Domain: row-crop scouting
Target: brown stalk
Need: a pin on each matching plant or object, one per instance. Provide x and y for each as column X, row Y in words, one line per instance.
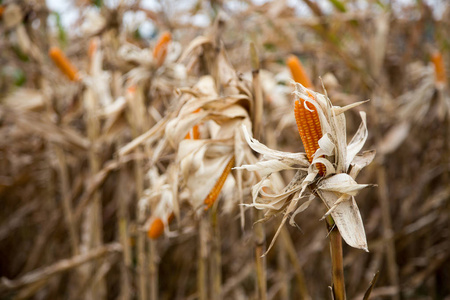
column 336, row 260
column 216, row 257
column 383, row 196
column 258, row 229
column 93, row 214
column 141, row 253
column 290, row 251
column 64, row 180
column 66, row 200
column 153, row 269
column 137, row 119
column 122, row 218
column 202, row 258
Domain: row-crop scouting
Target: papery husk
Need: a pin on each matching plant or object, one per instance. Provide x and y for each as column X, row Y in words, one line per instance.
column 348, row 219
column 337, row 192
column 161, row 197
column 201, row 163
column 202, row 104
column 272, row 160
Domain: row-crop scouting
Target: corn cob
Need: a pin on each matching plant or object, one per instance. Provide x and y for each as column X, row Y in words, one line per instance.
column 308, row 122
column 298, row 72
column 439, row 67
column 160, row 50
column 215, row 191
column 63, row 63
column 157, row 227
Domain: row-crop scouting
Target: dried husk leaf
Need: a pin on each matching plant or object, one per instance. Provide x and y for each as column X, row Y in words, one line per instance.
column 200, row 161
column 348, row 219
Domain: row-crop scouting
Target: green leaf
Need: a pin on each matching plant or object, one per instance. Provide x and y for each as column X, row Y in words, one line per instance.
column 339, row 5
column 98, row 3
column 270, row 47
column 19, row 77
column 62, row 36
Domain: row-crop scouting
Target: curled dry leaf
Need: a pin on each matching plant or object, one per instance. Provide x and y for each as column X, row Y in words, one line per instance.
column 206, row 133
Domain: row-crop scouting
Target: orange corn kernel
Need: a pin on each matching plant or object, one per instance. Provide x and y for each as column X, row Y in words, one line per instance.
column 160, row 50
column 298, row 72
column 63, row 63
column 439, row 67
column 214, row 193
column 308, row 124
column 131, row 89
column 93, row 45
column 193, row 134
column 157, row 227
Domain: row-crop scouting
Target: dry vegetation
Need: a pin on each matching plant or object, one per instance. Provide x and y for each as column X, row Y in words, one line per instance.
column 118, row 151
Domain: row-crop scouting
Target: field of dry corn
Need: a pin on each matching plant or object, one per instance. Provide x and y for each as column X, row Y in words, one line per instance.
column 210, row 149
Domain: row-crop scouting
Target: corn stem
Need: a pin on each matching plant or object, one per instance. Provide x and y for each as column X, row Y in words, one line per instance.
column 216, row 257
column 337, row 260
column 153, row 270
column 123, row 220
column 258, row 230
column 202, row 258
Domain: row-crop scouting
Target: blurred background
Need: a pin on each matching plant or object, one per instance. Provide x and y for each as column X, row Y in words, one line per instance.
column 77, row 168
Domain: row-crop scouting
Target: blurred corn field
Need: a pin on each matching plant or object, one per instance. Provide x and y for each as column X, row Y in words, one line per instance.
column 130, row 166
